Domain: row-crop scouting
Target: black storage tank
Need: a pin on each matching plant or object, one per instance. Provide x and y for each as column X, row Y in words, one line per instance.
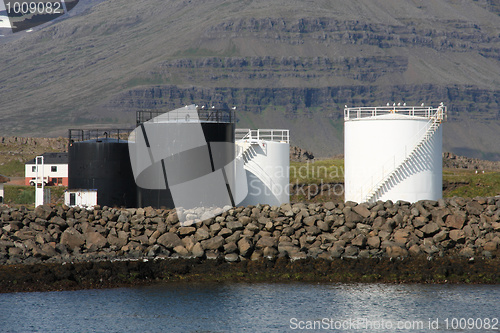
column 218, row 127
column 103, row 164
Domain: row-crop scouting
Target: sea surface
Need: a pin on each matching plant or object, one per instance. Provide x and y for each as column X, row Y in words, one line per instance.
column 259, row 307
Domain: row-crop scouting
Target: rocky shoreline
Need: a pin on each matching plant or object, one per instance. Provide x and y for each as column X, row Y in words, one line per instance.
column 341, row 235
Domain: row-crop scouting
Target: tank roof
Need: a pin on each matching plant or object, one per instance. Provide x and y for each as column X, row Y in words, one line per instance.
column 98, row 135
column 188, row 114
column 103, row 140
column 395, row 112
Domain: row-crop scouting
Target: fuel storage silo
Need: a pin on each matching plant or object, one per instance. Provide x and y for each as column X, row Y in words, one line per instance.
column 393, row 153
column 183, row 158
column 265, row 159
column 101, row 163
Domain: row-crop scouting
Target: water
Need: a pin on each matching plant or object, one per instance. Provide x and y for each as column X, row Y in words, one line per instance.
column 255, row 308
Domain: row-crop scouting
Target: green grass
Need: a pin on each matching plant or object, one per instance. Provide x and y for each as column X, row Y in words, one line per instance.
column 469, row 184
column 326, row 171
column 16, row 194
column 12, row 169
column 462, row 183
column 25, row 195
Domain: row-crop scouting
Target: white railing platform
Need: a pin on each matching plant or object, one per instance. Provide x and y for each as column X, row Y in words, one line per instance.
column 412, row 111
column 277, row 135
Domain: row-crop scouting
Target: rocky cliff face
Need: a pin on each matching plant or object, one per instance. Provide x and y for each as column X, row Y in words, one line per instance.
column 451, row 160
column 292, row 65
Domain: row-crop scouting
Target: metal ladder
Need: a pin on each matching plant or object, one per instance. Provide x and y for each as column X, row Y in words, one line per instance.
column 435, row 122
column 247, row 155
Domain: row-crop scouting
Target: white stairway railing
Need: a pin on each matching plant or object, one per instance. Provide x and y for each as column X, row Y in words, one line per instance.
column 405, row 157
column 248, row 152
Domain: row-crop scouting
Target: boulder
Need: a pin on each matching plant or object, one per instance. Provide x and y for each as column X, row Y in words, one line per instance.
column 44, row 212
column 474, row 208
column 351, row 251
column 430, row 229
column 352, row 217
column 457, row 235
column 362, row 210
column 96, row 239
column 396, row 251
column 401, row 236
column 201, row 234
column 115, row 241
column 490, row 246
column 414, row 250
column 197, row 250
column 181, row 250
column 270, row 252
column 455, row 221
column 234, row 225
column 359, row 241
column 231, row 257
column 245, row 246
column 213, row 243
column 169, row 240
column 45, row 251
column 440, row 236
column 59, row 221
column 467, row 252
column 373, row 242
column 225, row 232
column 230, row 247
column 267, row 242
column 72, row 238
column 185, row 231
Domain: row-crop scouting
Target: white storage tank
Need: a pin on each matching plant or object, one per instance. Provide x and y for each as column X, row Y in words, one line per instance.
column 393, row 153
column 265, row 156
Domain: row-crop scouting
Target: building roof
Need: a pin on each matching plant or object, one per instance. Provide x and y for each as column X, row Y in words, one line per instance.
column 4, row 179
column 52, row 158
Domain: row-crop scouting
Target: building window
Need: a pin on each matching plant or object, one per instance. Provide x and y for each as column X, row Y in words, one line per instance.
column 33, row 169
column 53, row 168
column 59, row 181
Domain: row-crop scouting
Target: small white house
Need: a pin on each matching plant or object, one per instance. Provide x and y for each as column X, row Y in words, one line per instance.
column 3, row 180
column 81, row 198
column 55, row 169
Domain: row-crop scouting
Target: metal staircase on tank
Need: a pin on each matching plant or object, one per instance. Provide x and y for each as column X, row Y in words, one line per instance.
column 433, row 125
column 248, row 154
column 257, row 138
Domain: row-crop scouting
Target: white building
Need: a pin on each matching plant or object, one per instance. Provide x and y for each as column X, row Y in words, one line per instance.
column 55, row 170
column 81, row 198
column 3, row 180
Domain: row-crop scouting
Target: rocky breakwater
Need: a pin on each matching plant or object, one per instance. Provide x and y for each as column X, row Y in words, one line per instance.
column 454, row 227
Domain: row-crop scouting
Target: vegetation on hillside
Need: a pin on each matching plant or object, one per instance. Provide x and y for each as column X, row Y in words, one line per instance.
column 284, row 64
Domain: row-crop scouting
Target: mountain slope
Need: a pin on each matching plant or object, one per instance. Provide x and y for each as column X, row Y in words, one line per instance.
column 292, row 64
